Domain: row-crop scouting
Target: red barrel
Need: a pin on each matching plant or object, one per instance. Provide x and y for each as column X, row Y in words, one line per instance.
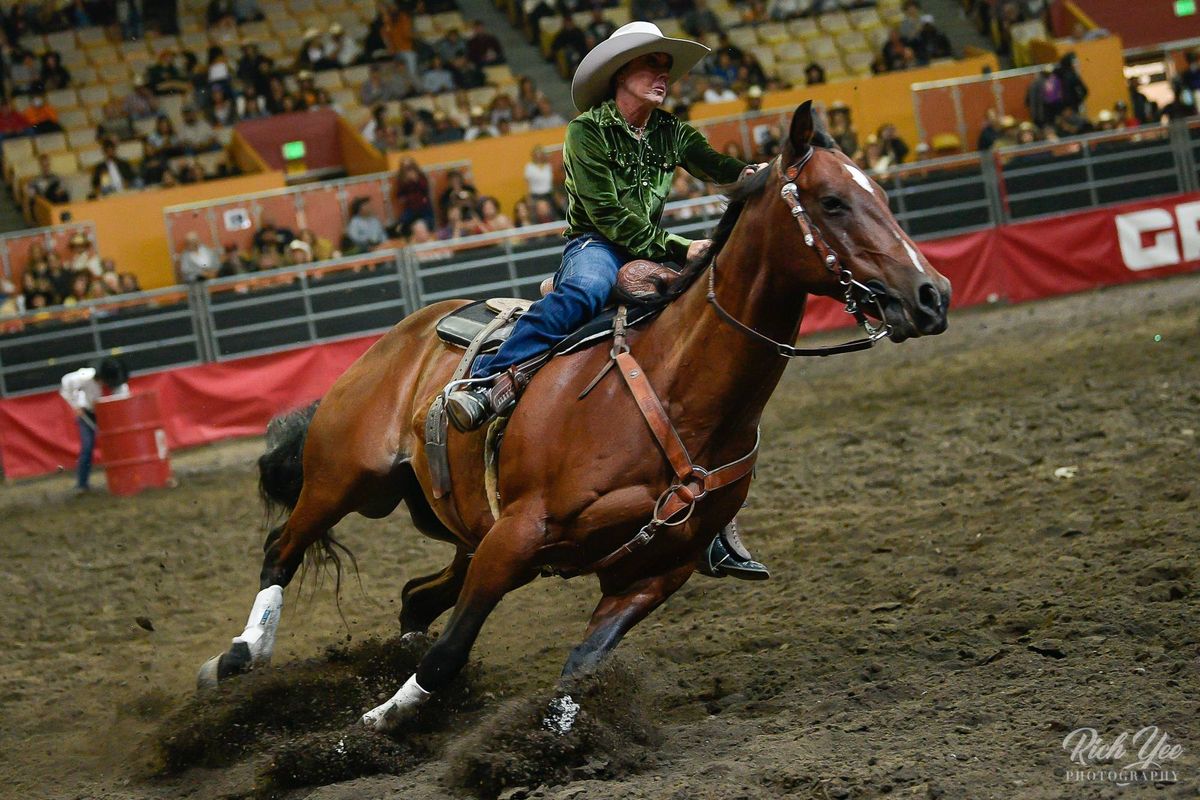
column 133, row 443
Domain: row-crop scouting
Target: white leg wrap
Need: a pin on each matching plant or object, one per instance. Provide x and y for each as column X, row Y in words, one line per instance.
column 402, row 706
column 259, row 634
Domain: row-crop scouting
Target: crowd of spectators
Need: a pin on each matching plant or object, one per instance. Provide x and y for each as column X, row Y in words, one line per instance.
column 51, row 278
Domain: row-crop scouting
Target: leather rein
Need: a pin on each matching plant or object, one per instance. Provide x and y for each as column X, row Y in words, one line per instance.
column 816, row 240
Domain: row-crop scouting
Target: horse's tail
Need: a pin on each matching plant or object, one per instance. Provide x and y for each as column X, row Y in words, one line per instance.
column 281, row 468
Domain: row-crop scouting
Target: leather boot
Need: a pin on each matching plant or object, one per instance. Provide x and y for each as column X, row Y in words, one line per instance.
column 469, row 409
column 727, row 556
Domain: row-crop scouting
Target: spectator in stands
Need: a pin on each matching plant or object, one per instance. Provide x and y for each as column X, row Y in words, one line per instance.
column 450, row 46
column 754, row 98
column 437, row 78
column 254, row 68
column 250, row 104
column 1070, row 122
column 41, row 116
column 895, row 55
column 163, row 142
column 421, row 233
column 528, row 96
column 340, row 48
column 298, row 252
column 129, row 283
column 546, row 116
column 480, row 127
column 701, row 20
column 842, row 129
column 569, row 45
column 444, row 129
column 115, row 124
column 781, row 10
column 83, row 256
column 24, row 74
column 278, row 100
column 12, row 302
column 545, row 211
column 876, row 159
column 113, row 174
column 322, row 249
column 893, row 145
column 1027, row 132
column 220, row 12
column 931, row 43
column 196, row 134
column 723, row 68
column 311, row 55
column 413, row 197
column 12, row 122
column 379, row 131
column 600, row 27
column 393, row 26
column 364, row 232
column 1036, row 97
column 1183, row 104
column 271, row 237
column 539, row 175
column 457, row 224
column 467, row 74
column 220, row 73
column 54, row 75
column 457, row 192
column 247, row 10
column 714, row 92
column 80, row 290
column 197, row 262
column 221, row 110
column 45, row 184
column 232, row 263
column 1190, row 76
column 1074, row 91
column 141, row 103
column 164, row 76
column 81, row 389
column 268, row 258
column 814, row 74
column 130, row 18
column 990, row 132
column 490, row 217
column 483, row 48
column 910, row 26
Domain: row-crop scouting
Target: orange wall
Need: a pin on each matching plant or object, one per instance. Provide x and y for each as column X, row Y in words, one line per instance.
column 130, row 227
column 873, row 101
column 498, row 165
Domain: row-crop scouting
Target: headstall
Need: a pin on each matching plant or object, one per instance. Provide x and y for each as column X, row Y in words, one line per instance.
column 850, row 286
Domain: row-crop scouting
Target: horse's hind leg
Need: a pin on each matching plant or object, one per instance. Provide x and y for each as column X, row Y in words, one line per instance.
column 317, row 511
column 426, row 598
column 504, row 561
column 616, row 614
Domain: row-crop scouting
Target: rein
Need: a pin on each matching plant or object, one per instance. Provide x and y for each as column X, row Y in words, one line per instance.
column 816, row 240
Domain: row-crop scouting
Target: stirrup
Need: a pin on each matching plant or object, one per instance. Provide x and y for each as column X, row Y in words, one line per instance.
column 724, row 560
column 468, row 409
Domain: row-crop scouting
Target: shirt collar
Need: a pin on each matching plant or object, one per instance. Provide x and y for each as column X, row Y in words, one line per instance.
column 607, row 114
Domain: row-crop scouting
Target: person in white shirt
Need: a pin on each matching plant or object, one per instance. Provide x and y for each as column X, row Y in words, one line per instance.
column 539, row 175
column 197, row 261
column 83, row 258
column 81, row 389
column 341, row 48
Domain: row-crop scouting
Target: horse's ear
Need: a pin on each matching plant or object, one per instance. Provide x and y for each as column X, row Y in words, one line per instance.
column 800, row 136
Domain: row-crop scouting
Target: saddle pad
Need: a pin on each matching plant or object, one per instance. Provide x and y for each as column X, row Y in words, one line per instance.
column 460, row 327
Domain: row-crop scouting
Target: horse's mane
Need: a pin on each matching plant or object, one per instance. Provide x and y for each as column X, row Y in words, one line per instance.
column 737, row 196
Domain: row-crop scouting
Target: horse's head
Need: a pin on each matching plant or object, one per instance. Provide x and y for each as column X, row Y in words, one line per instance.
column 852, row 228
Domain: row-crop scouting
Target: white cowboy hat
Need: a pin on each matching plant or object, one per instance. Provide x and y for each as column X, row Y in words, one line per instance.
column 590, row 86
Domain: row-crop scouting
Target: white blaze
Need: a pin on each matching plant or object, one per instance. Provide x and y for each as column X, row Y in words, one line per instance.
column 912, row 254
column 859, row 178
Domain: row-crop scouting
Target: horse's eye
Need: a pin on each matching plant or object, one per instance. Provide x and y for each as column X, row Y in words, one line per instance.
column 833, row 205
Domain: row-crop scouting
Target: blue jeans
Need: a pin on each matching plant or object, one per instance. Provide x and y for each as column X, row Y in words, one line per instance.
column 87, row 443
column 581, row 288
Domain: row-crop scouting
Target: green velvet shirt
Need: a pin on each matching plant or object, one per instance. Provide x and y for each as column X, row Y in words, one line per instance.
column 618, row 184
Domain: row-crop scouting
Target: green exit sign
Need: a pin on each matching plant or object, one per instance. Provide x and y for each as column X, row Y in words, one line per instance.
column 1185, row 8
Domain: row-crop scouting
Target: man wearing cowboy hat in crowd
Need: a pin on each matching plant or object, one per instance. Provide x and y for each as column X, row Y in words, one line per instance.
column 619, row 157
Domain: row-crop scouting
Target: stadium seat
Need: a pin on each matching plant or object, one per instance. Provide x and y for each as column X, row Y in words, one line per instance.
column 823, row 48
column 84, row 75
column 791, row 51
column 499, row 75
column 81, row 137
column 89, row 157
column 865, row 19
column 133, row 151
column 91, row 37
column 859, row 63
column 62, row 41
column 803, row 28
column 765, row 56
column 63, row 163
column 103, row 57
column 96, row 95
column 773, row 33
column 853, row 42
column 355, row 76
column 744, row 37
column 78, row 185
column 50, row 142
column 834, row 22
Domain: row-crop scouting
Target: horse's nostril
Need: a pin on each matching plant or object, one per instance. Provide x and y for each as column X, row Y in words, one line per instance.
column 928, row 298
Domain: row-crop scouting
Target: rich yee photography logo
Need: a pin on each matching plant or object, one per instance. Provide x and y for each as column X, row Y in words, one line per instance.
column 1142, row 757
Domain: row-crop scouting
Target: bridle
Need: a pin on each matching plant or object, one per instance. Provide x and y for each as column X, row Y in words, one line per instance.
column 854, row 292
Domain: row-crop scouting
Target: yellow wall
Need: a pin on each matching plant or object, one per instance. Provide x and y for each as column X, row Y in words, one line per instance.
column 498, row 165
column 130, row 227
column 358, row 155
column 873, row 101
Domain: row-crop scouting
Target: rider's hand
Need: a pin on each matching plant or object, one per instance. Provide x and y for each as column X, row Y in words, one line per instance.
column 752, row 168
column 698, row 248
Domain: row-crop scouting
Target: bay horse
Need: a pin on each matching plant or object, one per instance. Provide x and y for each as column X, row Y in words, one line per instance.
column 578, row 477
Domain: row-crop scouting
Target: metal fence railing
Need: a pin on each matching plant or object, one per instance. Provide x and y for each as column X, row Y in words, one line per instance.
column 265, row 312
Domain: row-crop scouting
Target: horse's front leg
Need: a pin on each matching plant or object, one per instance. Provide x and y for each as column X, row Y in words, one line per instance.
column 623, row 606
column 504, row 561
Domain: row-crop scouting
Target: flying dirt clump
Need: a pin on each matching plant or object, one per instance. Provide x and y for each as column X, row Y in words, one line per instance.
column 605, row 733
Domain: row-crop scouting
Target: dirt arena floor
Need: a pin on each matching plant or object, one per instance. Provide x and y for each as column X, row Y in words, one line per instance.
column 980, row 543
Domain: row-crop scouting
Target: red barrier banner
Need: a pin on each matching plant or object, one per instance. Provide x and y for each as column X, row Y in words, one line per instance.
column 200, row 404
column 1024, row 261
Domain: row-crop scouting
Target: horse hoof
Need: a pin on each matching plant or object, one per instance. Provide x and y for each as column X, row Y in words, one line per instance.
column 383, row 719
column 218, row 668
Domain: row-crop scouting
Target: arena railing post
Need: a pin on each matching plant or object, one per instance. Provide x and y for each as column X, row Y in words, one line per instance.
column 1185, row 159
column 991, row 189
